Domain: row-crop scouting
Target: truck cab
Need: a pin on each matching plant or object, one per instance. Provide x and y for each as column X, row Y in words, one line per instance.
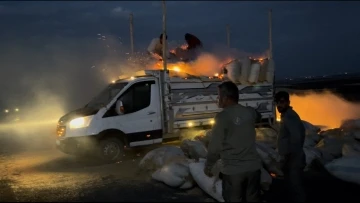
column 148, row 108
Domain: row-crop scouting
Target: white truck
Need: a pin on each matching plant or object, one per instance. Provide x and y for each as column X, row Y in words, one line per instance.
column 151, row 107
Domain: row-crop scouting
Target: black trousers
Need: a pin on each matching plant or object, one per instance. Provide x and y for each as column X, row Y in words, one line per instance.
column 294, row 177
column 242, row 187
column 294, row 184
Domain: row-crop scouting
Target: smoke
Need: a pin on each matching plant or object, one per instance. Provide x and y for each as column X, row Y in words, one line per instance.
column 325, row 108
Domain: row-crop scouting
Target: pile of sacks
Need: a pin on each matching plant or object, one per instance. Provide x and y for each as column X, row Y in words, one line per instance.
column 182, row 167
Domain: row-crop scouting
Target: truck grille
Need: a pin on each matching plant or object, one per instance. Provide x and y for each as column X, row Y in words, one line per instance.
column 60, row 131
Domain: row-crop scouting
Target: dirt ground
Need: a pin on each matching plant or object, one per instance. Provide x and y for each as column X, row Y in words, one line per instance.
column 31, row 169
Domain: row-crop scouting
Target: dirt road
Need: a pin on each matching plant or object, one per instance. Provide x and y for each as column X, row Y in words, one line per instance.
column 48, row 175
column 31, row 169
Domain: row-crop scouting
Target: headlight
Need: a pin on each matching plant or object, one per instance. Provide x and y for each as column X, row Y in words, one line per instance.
column 81, row 122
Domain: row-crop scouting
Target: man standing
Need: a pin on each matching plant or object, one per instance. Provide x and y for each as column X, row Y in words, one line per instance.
column 155, row 48
column 290, row 147
column 233, row 140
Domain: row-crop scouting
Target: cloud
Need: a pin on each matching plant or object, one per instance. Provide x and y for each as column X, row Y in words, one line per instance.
column 120, row 12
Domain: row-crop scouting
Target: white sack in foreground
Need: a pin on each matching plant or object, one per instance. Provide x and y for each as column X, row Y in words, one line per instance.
column 194, row 149
column 175, row 174
column 213, row 185
column 157, row 158
column 345, row 168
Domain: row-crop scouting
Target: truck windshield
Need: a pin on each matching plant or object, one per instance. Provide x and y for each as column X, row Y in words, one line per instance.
column 106, row 95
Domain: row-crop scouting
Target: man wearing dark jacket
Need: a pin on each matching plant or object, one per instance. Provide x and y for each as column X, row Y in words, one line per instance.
column 290, row 147
column 233, row 140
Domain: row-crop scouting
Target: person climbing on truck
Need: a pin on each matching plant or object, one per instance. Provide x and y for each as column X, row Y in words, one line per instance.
column 233, row 141
column 192, row 49
column 155, row 49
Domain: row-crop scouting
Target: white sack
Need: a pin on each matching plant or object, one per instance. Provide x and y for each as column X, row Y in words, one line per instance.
column 157, row 158
column 311, row 140
column 175, row 174
column 254, row 72
column 310, row 128
column 345, row 168
column 194, row 149
column 211, row 185
column 356, row 135
column 270, row 159
column 245, row 70
column 351, row 124
column 266, row 135
column 330, row 148
column 311, row 154
column 351, row 149
column 233, row 70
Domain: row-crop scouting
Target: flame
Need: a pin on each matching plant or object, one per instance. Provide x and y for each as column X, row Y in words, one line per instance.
column 325, row 109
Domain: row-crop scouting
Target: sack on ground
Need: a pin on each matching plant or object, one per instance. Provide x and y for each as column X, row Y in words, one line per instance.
column 194, row 149
column 266, row 135
column 175, row 174
column 330, row 148
column 271, row 160
column 353, row 124
column 211, row 185
column 157, row 158
column 311, row 154
column 356, row 135
column 351, row 149
column 312, row 139
column 310, row 128
column 345, row 168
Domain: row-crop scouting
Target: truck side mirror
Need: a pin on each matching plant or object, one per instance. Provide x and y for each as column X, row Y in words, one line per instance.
column 119, row 107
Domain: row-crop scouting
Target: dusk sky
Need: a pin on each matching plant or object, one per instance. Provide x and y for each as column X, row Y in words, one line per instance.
column 55, row 46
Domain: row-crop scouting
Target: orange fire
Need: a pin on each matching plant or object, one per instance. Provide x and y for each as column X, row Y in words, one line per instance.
column 324, row 109
column 205, row 65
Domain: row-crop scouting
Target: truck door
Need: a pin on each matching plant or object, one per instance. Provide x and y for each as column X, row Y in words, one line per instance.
column 141, row 118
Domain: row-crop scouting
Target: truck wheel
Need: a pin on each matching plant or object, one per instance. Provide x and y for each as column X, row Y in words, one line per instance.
column 111, row 149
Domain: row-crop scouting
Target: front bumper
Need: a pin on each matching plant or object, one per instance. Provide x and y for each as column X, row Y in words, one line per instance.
column 77, row 145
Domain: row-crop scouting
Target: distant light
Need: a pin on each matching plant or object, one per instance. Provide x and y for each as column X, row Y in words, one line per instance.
column 132, row 77
column 16, row 109
column 6, row 111
column 212, row 122
column 216, row 74
column 113, row 81
column 190, row 124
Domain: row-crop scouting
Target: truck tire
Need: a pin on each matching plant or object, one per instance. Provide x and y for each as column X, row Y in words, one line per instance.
column 111, row 149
